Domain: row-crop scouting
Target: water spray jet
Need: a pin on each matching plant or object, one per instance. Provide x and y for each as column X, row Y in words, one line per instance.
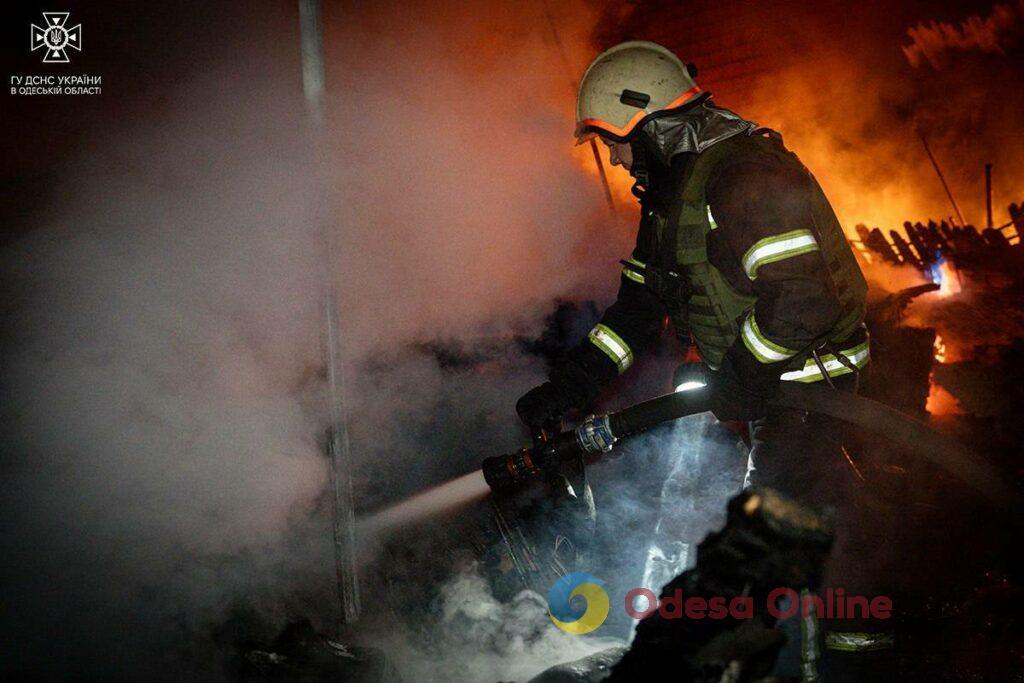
column 446, row 497
column 597, row 435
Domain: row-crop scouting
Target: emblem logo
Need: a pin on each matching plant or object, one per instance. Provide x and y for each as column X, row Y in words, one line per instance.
column 572, row 618
column 55, row 38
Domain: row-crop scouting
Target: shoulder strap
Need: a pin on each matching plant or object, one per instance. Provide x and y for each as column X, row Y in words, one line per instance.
column 681, row 170
column 689, row 210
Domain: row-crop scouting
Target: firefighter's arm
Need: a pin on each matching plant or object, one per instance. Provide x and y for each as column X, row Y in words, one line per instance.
column 627, row 327
column 764, row 216
column 625, row 330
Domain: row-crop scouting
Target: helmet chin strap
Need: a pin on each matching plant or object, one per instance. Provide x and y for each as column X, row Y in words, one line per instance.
column 639, row 168
column 649, row 174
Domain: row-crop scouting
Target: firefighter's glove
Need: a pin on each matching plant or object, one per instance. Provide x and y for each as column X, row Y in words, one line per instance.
column 741, row 387
column 543, row 407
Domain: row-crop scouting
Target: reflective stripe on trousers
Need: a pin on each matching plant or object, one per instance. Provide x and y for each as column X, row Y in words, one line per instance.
column 810, row 654
column 858, row 642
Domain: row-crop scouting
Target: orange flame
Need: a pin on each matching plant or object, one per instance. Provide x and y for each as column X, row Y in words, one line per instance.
column 940, row 401
column 949, row 280
column 940, row 350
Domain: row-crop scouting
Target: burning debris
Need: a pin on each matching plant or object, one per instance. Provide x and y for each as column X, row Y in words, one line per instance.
column 991, row 33
column 941, row 251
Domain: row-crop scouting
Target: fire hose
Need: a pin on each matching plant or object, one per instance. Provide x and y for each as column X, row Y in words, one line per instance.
column 598, row 434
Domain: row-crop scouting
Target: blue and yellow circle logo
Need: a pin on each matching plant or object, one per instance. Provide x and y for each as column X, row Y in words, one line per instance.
column 575, row 620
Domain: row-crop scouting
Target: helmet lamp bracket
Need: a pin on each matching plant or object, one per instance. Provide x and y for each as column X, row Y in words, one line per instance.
column 632, row 98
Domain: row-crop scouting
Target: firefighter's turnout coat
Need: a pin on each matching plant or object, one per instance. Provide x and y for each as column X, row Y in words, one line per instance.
column 739, row 248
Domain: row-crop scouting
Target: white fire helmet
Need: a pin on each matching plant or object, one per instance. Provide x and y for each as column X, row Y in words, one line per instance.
column 628, row 83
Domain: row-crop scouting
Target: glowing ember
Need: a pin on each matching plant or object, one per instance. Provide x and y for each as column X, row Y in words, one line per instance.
column 940, row 401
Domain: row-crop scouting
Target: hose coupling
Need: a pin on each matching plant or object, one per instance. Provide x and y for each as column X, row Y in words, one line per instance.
column 594, row 435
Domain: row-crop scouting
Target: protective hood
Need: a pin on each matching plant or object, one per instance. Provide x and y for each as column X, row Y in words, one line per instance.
column 692, row 129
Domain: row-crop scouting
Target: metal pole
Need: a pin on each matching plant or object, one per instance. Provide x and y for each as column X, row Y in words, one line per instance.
column 312, row 59
column 338, row 450
column 942, row 178
column 988, row 193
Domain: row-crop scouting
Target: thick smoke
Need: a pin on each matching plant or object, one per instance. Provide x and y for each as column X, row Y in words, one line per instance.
column 857, row 118
column 477, row 638
column 842, row 93
column 162, row 456
column 160, row 377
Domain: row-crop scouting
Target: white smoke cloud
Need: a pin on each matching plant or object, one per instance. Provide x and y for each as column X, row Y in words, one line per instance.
column 159, row 381
column 154, row 390
column 479, row 639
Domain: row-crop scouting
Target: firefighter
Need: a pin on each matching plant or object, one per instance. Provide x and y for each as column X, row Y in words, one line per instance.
column 739, row 248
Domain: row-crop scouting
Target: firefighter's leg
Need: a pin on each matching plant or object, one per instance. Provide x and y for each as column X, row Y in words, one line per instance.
column 801, row 455
column 783, row 457
column 858, row 647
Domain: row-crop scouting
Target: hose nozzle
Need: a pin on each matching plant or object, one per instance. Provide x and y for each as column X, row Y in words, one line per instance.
column 503, row 473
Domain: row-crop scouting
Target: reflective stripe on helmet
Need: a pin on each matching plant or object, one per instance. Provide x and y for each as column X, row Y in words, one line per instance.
column 593, row 125
column 858, row 356
column 858, row 642
column 778, row 248
column 605, row 339
column 763, row 348
column 634, row 275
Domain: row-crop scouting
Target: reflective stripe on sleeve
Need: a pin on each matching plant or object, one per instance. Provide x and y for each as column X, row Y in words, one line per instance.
column 778, row 248
column 605, row 339
column 634, row 275
column 858, row 642
column 711, row 220
column 858, row 356
column 763, row 348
